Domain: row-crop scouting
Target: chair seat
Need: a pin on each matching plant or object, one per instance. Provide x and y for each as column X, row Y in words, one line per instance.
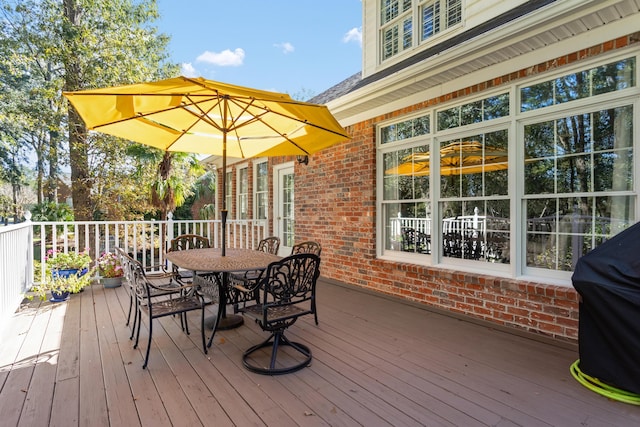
column 173, row 306
column 277, row 313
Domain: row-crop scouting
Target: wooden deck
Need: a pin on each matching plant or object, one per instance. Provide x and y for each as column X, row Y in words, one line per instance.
column 376, row 362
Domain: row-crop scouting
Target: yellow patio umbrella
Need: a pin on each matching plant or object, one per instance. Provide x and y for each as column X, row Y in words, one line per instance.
column 457, row 158
column 196, row 115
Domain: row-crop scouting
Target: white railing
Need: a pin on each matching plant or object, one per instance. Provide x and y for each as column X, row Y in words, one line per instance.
column 16, row 266
column 24, row 247
column 145, row 240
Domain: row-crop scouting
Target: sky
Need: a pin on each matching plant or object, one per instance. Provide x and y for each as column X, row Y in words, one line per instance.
column 300, row 47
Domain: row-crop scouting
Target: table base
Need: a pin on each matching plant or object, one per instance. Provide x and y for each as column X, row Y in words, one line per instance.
column 227, row 322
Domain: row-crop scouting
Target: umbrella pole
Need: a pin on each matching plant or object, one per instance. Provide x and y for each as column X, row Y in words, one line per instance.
column 223, row 212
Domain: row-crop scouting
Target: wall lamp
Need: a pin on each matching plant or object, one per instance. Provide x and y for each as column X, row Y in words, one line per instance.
column 303, row 160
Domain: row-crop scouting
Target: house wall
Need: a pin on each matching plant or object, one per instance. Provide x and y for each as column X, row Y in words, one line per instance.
column 342, row 217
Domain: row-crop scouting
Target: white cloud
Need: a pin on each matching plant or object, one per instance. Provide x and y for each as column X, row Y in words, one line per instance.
column 353, row 35
column 226, row 58
column 286, row 47
column 188, row 70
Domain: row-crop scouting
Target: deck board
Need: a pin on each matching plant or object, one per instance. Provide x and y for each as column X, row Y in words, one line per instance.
column 377, row 361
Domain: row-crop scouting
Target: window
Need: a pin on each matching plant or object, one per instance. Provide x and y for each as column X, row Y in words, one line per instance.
column 242, row 211
column 487, row 109
column 405, row 130
column 606, row 78
column 261, row 190
column 578, row 179
column 406, row 206
column 474, row 197
column 397, row 27
column 228, row 198
column 397, row 18
column 436, row 16
column 525, row 190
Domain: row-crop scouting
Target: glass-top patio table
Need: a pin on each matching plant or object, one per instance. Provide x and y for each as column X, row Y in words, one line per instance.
column 210, row 260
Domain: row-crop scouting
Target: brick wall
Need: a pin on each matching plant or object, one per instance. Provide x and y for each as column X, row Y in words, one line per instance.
column 335, row 205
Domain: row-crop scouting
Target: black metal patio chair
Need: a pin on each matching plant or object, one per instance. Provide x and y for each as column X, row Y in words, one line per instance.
column 243, row 285
column 185, row 242
column 167, row 282
column 155, row 308
column 288, row 292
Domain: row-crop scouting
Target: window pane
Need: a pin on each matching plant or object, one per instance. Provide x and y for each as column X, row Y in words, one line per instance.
column 496, row 107
column 539, row 177
column 476, row 166
column 405, row 130
column 390, row 42
column 471, row 113
column 536, row 96
column 574, row 134
column 539, row 140
column 572, row 87
column 613, row 128
column 422, row 125
column 408, row 227
column 476, row 230
column 428, row 29
column 454, row 12
column 574, row 174
column 449, row 118
column 612, row 77
column 407, row 33
column 607, row 78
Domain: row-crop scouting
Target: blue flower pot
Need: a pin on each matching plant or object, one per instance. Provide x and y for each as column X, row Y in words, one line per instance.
column 68, row 272
column 59, row 296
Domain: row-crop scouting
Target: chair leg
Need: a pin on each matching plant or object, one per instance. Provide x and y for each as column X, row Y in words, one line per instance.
column 135, row 320
column 130, row 309
column 138, row 321
column 315, row 310
column 146, row 358
column 204, row 338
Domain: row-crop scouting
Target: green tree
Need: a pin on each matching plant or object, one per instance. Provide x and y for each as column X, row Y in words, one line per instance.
column 174, row 179
column 52, row 45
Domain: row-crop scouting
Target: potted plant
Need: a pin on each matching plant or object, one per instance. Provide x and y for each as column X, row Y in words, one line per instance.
column 61, row 287
column 68, row 273
column 110, row 270
column 63, row 264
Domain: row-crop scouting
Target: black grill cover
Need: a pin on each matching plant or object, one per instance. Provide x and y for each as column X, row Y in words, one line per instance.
column 608, row 280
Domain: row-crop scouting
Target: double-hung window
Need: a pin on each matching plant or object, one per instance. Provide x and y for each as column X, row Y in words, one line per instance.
column 396, row 31
column 261, row 189
column 242, row 211
column 405, row 24
column 437, row 16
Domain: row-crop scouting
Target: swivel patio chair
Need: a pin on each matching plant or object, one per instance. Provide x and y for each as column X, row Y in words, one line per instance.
column 308, row 247
column 155, row 308
column 288, row 292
